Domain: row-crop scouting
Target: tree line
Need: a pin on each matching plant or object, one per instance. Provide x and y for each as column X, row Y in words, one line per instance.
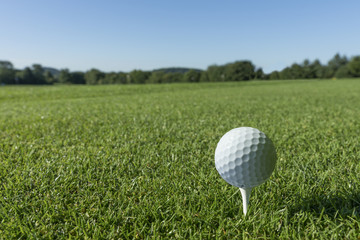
column 337, row 67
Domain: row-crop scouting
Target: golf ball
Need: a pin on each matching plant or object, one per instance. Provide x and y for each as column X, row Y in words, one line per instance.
column 245, row 157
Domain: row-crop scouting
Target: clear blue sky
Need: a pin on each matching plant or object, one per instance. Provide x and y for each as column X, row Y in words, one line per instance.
column 123, row 35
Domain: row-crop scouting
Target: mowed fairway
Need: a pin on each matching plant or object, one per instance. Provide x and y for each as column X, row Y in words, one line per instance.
column 137, row 162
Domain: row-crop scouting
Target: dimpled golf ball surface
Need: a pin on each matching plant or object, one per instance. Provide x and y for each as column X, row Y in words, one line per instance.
column 245, row 157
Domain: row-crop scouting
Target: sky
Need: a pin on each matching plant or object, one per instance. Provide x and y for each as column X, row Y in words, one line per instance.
column 123, row 35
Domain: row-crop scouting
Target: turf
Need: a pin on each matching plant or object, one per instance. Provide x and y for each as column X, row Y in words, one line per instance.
column 137, row 162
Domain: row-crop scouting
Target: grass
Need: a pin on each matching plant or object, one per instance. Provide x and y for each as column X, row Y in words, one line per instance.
column 137, row 162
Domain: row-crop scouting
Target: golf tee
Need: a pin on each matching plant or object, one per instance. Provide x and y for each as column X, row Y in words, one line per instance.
column 245, row 193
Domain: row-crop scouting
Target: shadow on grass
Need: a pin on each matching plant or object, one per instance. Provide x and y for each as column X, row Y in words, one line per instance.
column 331, row 205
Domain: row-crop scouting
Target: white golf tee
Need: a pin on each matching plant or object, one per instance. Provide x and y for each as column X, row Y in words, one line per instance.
column 245, row 193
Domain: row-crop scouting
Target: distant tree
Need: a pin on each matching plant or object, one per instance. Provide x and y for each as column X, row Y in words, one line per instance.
column 165, row 77
column 94, row 76
column 6, row 64
column 266, row 76
column 138, row 76
column 307, row 71
column 65, row 76
column 343, row 72
column 77, row 77
column 285, row 73
column 18, row 77
column 354, row 66
column 339, row 67
column 296, row 71
column 114, row 78
column 216, row 73
column 274, row 75
column 109, row 78
column 239, row 71
column 259, row 74
column 25, row 76
column 334, row 64
column 7, row 72
column 156, row 77
column 204, row 77
column 173, row 77
column 38, row 74
column 317, row 69
column 120, row 78
column 192, row 76
column 49, row 78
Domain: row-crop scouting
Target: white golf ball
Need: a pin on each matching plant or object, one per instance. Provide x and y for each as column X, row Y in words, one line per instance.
column 245, row 157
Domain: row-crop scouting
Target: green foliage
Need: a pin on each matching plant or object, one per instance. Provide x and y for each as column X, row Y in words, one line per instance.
column 137, row 161
column 259, row 74
column 65, row 76
column 286, row 73
column 173, row 77
column 204, row 77
column 25, row 76
column 156, row 77
column 38, row 74
column 176, row 70
column 317, row 70
column 192, row 76
column 78, row 78
column 165, row 77
column 309, row 69
column 54, row 72
column 296, row 71
column 6, row 64
column 216, row 73
column 114, row 78
column 7, row 72
column 34, row 75
column 239, row 71
column 342, row 72
column 338, row 67
column 49, row 77
column 138, row 76
column 94, row 76
column 354, row 66
column 274, row 75
column 334, row 64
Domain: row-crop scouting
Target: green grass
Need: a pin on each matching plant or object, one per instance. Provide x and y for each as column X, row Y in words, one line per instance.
column 135, row 162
